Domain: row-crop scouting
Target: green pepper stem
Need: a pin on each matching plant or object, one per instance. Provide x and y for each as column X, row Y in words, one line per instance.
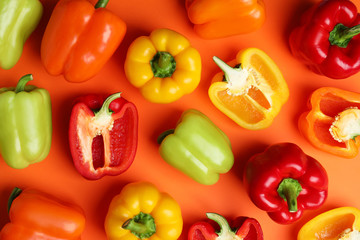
column 163, row 135
column 14, row 194
column 289, row 189
column 142, row 225
column 237, row 74
column 105, row 107
column 20, row 87
column 341, row 35
column 163, row 64
column 101, row 4
column 225, row 229
column 164, row 60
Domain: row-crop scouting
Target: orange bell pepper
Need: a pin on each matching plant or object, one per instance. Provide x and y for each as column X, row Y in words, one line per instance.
column 253, row 92
column 79, row 39
column 217, row 19
column 36, row 215
column 332, row 123
column 337, row 224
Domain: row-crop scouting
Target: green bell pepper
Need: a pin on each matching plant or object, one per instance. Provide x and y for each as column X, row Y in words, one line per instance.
column 18, row 19
column 197, row 147
column 25, row 124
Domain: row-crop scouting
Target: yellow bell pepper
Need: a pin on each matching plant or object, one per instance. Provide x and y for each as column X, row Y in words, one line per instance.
column 337, row 224
column 140, row 211
column 251, row 89
column 163, row 66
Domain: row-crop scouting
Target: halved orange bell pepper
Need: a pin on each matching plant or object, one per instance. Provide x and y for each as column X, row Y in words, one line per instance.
column 252, row 91
column 37, row 215
column 337, row 224
column 332, row 123
column 217, row 19
column 80, row 38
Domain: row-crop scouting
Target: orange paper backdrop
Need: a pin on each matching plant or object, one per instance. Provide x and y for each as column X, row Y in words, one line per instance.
column 57, row 175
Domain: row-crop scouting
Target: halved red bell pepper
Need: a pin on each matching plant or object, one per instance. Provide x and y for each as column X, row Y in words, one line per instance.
column 241, row 228
column 284, row 181
column 80, row 38
column 328, row 39
column 103, row 135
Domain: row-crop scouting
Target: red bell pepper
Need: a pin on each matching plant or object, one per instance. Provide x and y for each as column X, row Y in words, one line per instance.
column 328, row 39
column 80, row 38
column 242, row 228
column 284, row 181
column 103, row 135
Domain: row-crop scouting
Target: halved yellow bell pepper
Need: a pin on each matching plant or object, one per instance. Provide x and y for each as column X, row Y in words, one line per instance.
column 163, row 65
column 141, row 211
column 251, row 89
column 337, row 224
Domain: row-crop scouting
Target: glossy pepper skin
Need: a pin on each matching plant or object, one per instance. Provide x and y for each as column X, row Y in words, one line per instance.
column 18, row 19
column 331, row 122
column 197, row 147
column 332, row 224
column 284, row 182
column 164, row 66
column 250, row 90
column 141, row 211
column 241, row 228
column 328, row 39
column 214, row 19
column 37, row 215
column 25, row 124
column 103, row 135
column 79, row 39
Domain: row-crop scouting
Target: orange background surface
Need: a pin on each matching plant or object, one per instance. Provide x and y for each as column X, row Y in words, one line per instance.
column 57, row 175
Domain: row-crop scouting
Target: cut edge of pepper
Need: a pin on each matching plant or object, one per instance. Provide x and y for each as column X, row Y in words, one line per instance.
column 343, row 128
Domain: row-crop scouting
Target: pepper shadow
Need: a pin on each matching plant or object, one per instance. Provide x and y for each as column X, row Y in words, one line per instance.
column 181, row 6
column 36, row 37
column 305, row 94
column 241, row 156
column 4, row 196
column 295, row 14
column 132, row 32
column 62, row 126
column 101, row 210
column 168, row 122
